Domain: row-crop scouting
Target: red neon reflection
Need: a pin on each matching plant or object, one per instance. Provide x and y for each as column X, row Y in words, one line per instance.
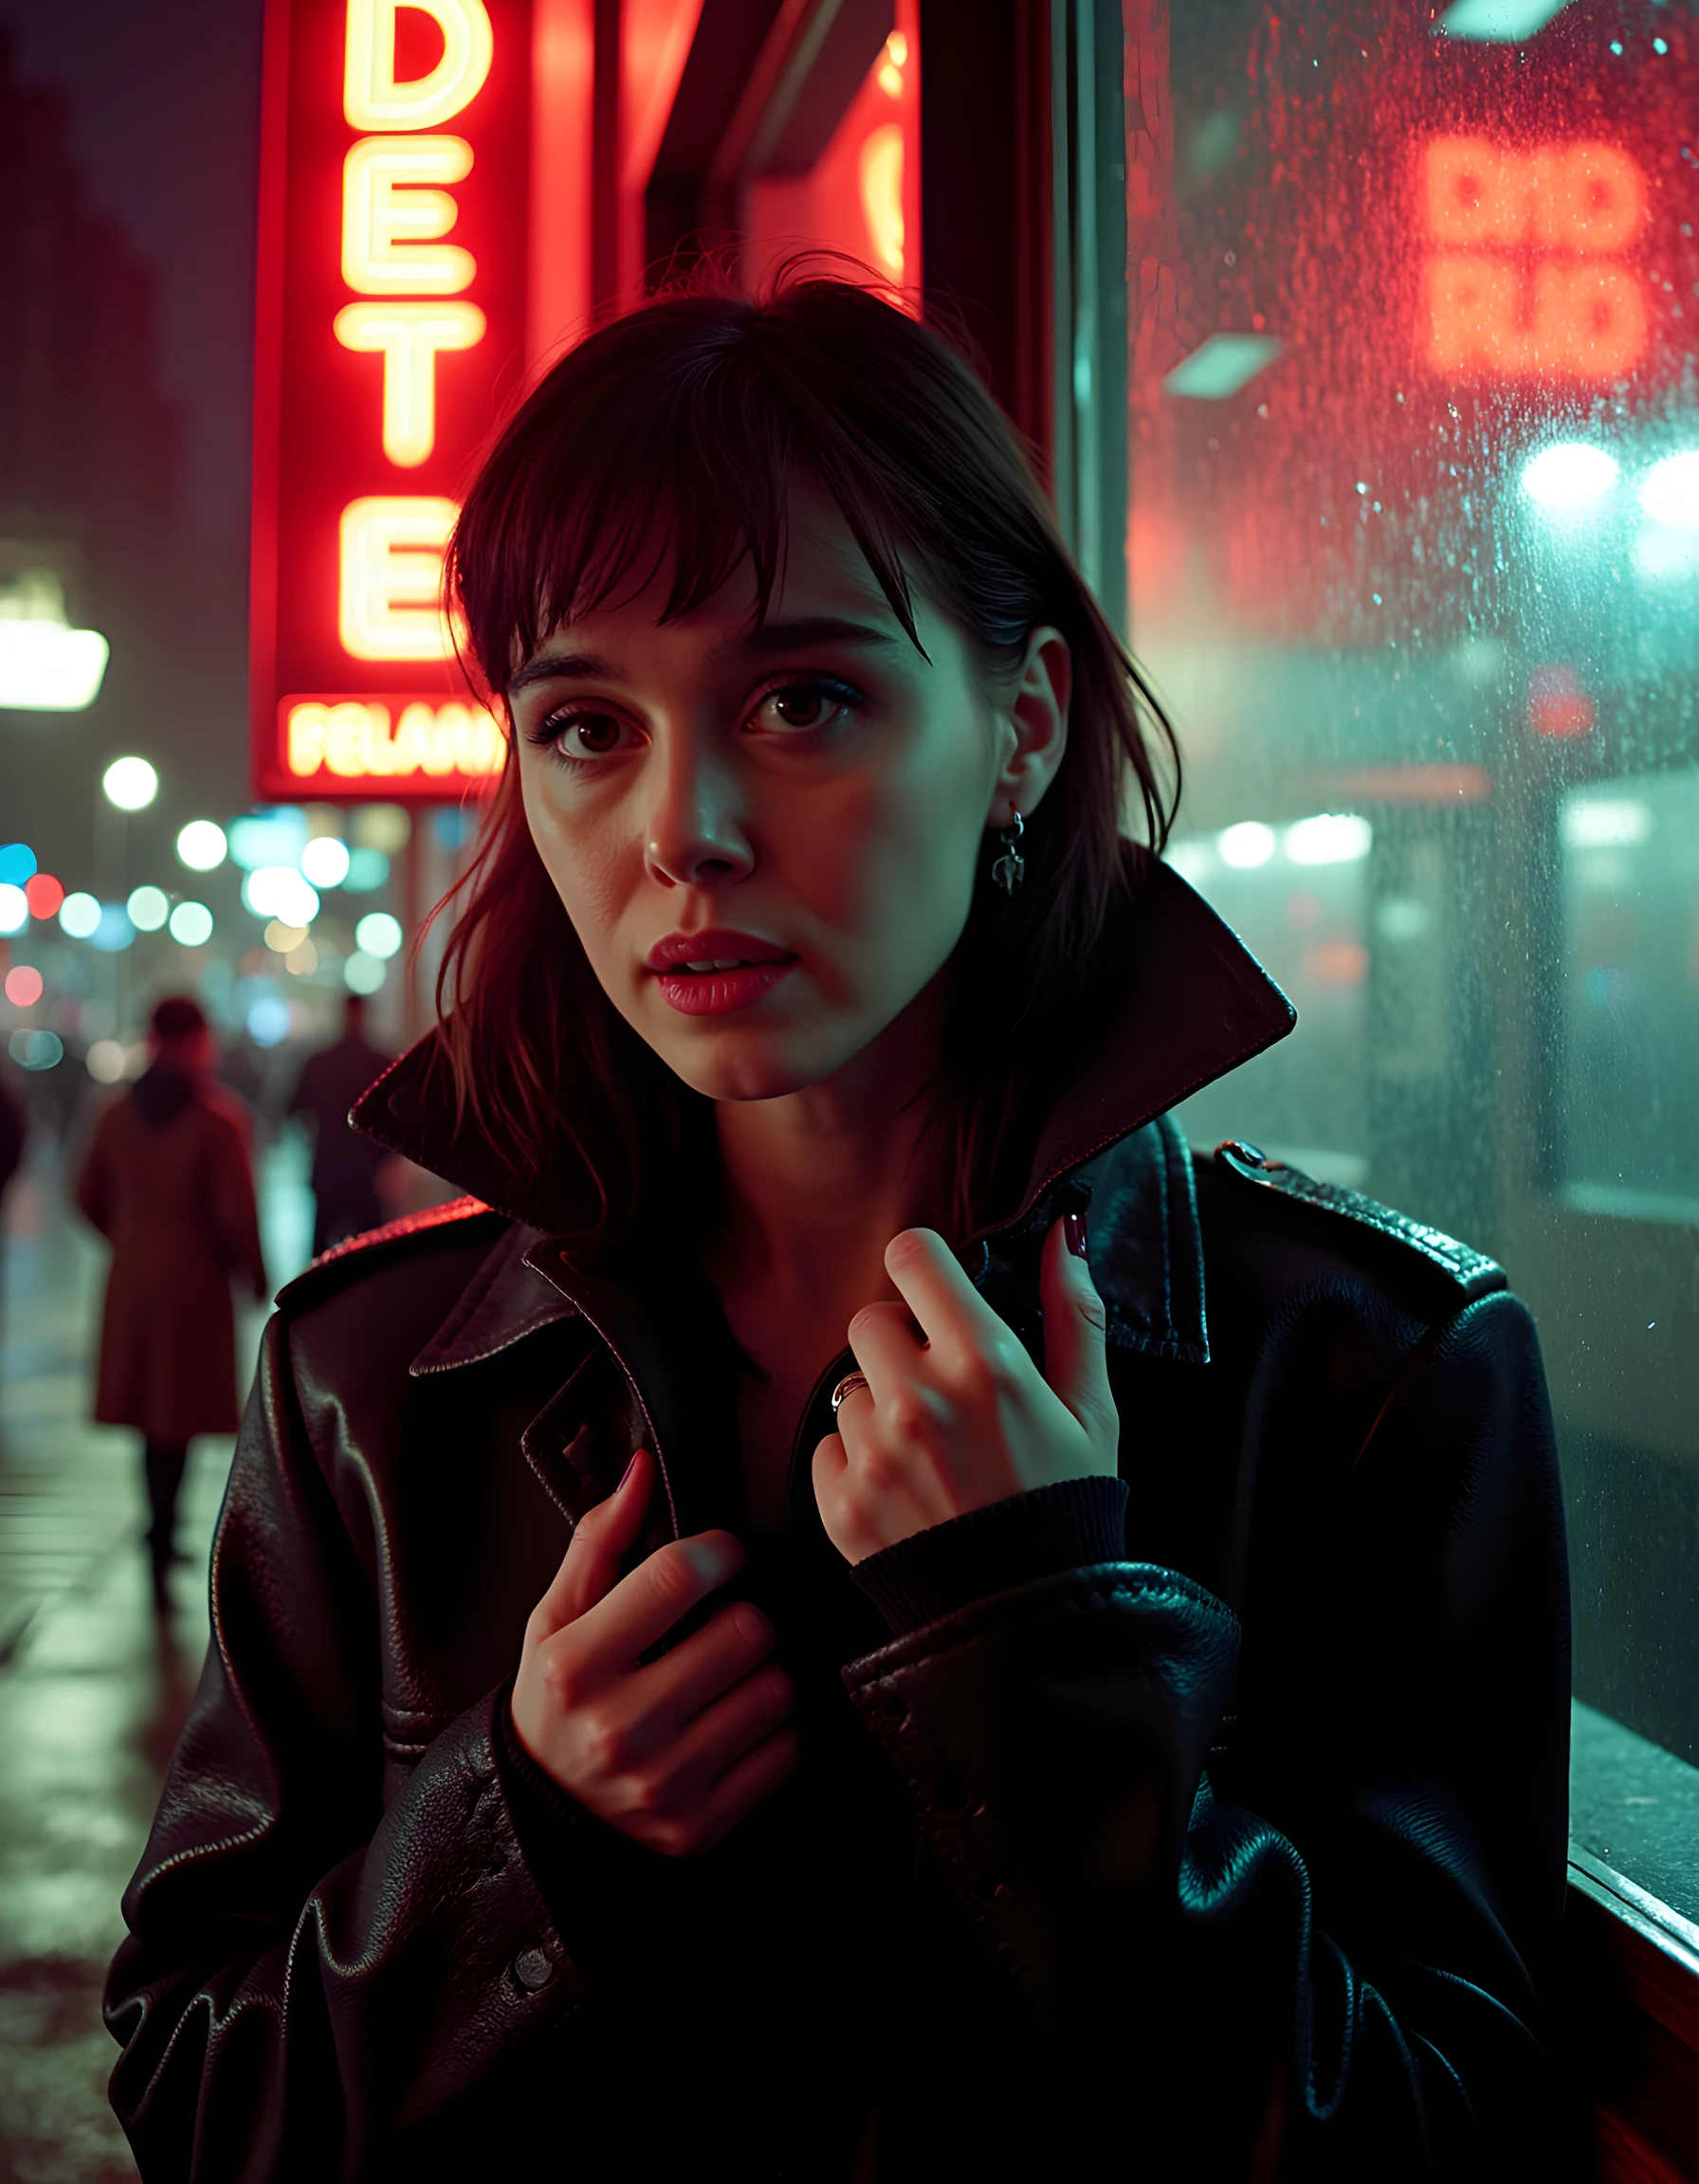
column 1556, row 703
column 1526, row 278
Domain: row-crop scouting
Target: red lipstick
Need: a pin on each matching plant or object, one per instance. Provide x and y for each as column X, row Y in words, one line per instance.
column 713, row 973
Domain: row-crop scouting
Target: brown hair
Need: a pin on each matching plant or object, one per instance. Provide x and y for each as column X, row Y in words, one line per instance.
column 687, row 420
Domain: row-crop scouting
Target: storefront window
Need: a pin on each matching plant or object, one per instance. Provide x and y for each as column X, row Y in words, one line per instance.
column 1413, row 560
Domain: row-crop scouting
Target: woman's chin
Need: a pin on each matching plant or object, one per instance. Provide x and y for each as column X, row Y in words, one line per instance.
column 751, row 1061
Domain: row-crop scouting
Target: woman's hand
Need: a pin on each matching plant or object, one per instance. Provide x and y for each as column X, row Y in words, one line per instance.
column 675, row 1751
column 957, row 1416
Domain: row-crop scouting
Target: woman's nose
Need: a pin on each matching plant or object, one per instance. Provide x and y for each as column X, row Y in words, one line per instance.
column 696, row 833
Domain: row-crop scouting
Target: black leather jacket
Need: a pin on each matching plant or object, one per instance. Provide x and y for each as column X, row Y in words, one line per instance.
column 1230, row 1840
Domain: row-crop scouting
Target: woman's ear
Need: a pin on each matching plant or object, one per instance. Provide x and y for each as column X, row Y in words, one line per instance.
column 1037, row 713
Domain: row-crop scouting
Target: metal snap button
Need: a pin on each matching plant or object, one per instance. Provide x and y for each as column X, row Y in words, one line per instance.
column 531, row 1968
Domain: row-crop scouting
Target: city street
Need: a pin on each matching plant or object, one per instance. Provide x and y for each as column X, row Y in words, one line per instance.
column 94, row 1687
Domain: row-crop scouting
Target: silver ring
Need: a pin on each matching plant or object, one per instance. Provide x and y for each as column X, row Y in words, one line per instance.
column 846, row 1386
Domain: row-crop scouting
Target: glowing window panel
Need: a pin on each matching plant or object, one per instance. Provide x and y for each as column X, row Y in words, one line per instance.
column 392, row 577
column 1669, row 491
column 1571, row 475
column 410, row 337
column 393, row 217
column 373, row 99
column 1527, row 277
column 1329, row 838
column 45, row 667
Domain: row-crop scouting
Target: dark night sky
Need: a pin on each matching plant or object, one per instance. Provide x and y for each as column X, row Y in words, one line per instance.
column 164, row 104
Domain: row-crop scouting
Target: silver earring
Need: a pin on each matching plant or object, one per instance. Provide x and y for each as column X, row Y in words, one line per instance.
column 1011, row 867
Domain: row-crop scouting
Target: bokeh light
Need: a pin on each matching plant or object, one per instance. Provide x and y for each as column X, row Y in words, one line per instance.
column 131, row 783
column 280, row 937
column 36, row 1050
column 303, row 959
column 275, row 837
column 79, row 915
column 385, row 827
column 379, row 934
column 202, row 846
column 269, row 1020
column 113, row 931
column 191, row 925
column 14, row 907
column 1329, row 838
column 43, row 895
column 148, row 908
column 23, row 986
column 368, row 870
column 324, row 860
column 17, row 864
column 1246, row 846
column 279, row 891
column 363, row 973
column 107, row 1060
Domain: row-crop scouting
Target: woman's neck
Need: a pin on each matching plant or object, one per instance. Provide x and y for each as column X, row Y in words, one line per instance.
column 815, row 1184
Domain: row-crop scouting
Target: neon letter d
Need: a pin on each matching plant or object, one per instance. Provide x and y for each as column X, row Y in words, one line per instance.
column 372, row 99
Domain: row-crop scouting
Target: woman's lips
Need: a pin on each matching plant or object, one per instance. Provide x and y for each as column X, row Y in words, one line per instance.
column 713, row 974
column 718, row 992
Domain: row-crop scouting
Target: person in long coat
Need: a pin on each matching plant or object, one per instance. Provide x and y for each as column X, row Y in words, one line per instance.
column 169, row 1182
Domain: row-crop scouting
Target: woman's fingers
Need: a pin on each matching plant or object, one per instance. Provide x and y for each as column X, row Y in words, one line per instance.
column 644, row 1607
column 887, row 1347
column 601, row 1539
column 706, row 1663
column 1075, row 1363
column 955, row 1318
column 738, row 1720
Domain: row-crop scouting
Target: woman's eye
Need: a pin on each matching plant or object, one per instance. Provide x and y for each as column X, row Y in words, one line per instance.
column 808, row 707
column 582, row 736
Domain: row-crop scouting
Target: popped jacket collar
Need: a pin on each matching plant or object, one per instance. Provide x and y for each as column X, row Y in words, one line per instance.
column 1187, row 1003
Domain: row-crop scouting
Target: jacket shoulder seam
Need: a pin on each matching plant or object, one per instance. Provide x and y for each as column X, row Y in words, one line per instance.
column 1468, row 1273
column 356, row 1254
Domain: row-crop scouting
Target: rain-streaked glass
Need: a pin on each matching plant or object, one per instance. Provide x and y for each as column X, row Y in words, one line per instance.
column 1413, row 543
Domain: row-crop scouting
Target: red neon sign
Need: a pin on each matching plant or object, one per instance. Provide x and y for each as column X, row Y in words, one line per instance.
column 1526, row 273
column 399, row 291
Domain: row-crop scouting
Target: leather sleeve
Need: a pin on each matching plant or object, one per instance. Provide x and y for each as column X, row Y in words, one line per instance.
column 309, row 1977
column 1341, row 1985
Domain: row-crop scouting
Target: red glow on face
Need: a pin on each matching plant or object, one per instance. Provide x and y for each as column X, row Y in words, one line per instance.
column 1527, row 279
column 43, row 895
column 1556, row 703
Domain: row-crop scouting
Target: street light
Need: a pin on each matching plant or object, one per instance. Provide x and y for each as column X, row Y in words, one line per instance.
column 131, row 783
column 45, row 666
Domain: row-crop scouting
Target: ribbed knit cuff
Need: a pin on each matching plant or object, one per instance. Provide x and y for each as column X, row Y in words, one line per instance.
column 1068, row 1526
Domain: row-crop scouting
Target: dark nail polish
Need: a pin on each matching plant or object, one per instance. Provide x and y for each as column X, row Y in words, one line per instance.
column 1073, row 1233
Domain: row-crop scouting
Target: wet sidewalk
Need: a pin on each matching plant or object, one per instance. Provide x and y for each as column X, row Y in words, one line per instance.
column 94, row 1685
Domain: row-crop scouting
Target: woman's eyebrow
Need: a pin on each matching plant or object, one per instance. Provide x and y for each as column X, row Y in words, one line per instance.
column 770, row 638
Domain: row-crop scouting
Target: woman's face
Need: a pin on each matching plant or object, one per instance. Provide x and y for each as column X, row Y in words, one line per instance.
column 767, row 840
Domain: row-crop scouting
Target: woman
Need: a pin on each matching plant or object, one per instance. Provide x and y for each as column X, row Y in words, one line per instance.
column 169, row 1182
column 1109, row 1703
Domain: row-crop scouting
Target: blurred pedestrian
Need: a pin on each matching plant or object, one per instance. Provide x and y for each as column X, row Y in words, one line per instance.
column 344, row 1178
column 169, row 1182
